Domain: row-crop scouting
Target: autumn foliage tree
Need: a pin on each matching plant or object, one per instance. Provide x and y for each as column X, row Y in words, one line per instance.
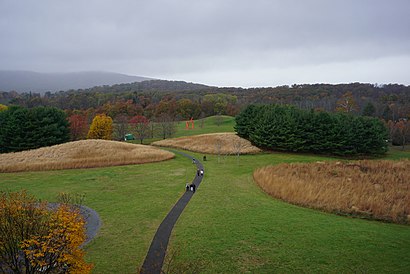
column 78, row 126
column 401, row 132
column 141, row 127
column 101, row 128
column 37, row 239
column 3, row 107
column 347, row 103
column 121, row 126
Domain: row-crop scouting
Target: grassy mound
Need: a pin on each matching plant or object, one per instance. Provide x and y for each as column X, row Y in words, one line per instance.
column 370, row 189
column 81, row 154
column 214, row 143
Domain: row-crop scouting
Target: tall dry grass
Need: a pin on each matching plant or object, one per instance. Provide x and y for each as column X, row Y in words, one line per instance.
column 371, row 189
column 214, row 143
column 82, row 154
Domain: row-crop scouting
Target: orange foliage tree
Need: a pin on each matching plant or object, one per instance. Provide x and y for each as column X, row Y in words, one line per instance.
column 78, row 126
column 35, row 238
column 101, row 128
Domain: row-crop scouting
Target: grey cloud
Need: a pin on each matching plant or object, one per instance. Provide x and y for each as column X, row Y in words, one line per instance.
column 214, row 38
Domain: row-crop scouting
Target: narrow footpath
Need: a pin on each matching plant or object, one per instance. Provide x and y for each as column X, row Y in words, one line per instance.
column 155, row 257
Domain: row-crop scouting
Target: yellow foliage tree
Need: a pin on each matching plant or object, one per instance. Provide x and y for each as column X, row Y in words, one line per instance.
column 101, row 128
column 347, row 103
column 3, row 107
column 35, row 238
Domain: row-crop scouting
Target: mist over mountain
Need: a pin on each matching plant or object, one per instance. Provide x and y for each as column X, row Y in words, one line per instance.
column 26, row 81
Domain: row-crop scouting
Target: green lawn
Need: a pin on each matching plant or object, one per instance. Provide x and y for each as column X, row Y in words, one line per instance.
column 396, row 152
column 230, row 225
column 211, row 124
column 131, row 200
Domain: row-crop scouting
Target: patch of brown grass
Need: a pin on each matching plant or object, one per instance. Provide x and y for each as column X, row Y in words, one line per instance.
column 82, row 154
column 214, row 143
column 371, row 189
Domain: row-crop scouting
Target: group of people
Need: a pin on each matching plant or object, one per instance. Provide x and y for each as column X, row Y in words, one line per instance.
column 199, row 172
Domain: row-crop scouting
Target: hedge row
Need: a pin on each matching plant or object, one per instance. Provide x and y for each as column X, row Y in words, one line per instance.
column 290, row 129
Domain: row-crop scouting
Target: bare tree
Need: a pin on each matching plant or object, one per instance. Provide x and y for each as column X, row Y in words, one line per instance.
column 121, row 126
column 202, row 120
column 238, row 146
column 166, row 125
column 218, row 148
column 141, row 127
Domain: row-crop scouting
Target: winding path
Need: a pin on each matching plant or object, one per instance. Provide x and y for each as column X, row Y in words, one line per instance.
column 155, row 257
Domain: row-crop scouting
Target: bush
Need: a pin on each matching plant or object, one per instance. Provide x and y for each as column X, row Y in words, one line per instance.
column 290, row 129
column 35, row 238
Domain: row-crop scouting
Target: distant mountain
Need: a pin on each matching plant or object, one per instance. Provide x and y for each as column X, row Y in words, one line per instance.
column 26, row 81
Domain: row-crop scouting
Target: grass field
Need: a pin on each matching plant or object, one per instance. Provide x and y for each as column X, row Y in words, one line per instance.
column 211, row 124
column 229, row 226
column 131, row 200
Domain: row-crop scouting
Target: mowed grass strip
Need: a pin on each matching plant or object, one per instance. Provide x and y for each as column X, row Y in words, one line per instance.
column 371, row 189
column 214, row 143
column 82, row 154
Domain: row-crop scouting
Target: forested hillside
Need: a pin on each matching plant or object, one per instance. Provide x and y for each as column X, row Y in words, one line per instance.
column 387, row 101
column 177, row 100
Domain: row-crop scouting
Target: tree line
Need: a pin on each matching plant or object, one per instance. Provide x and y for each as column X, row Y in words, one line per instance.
column 31, row 128
column 184, row 100
column 288, row 128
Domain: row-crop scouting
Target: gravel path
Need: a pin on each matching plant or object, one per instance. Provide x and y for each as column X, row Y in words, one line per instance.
column 92, row 221
column 155, row 257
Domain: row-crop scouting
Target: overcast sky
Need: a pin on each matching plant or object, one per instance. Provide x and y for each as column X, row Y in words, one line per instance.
column 214, row 42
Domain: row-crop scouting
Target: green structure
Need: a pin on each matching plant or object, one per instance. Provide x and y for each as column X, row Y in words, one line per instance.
column 128, row 137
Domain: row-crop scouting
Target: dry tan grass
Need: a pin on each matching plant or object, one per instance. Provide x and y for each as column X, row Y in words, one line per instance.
column 214, row 143
column 371, row 189
column 82, row 154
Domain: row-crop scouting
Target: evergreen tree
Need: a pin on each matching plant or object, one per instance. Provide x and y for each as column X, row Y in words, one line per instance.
column 291, row 129
column 369, row 110
column 245, row 121
column 23, row 128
